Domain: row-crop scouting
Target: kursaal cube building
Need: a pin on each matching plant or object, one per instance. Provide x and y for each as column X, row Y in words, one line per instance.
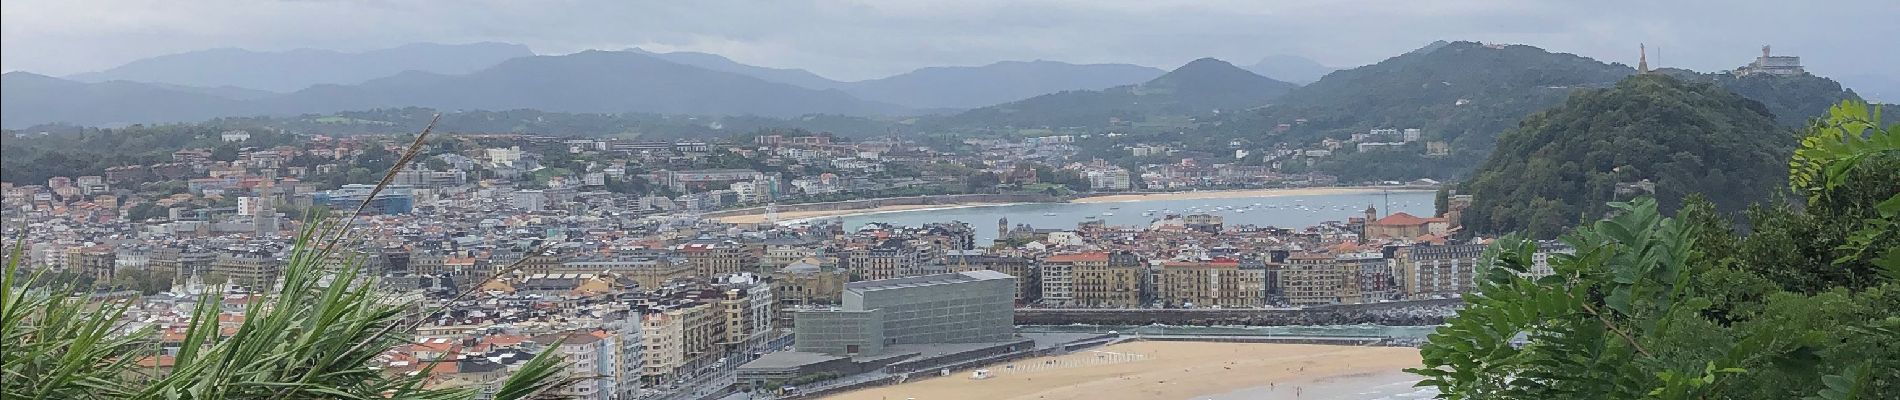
column 964, row 307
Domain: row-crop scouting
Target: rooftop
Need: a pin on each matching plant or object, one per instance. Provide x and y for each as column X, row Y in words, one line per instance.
column 926, row 280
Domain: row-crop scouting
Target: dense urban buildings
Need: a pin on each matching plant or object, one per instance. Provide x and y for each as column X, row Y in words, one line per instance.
column 629, row 266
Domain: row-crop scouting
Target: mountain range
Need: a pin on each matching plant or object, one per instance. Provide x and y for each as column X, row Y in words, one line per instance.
column 501, row 77
column 292, row 70
column 960, row 87
column 1460, row 92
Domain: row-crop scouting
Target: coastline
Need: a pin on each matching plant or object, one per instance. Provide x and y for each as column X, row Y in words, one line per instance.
column 1173, row 370
column 796, row 216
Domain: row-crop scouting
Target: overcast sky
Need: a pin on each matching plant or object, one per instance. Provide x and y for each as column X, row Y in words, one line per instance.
column 854, row 40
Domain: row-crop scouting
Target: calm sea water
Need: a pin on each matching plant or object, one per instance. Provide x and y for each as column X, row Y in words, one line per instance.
column 1285, row 211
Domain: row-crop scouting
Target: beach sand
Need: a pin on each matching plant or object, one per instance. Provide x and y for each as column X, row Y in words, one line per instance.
column 1229, row 194
column 792, row 215
column 1172, row 371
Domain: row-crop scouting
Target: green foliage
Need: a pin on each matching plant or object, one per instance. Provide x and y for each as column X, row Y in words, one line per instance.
column 1562, row 165
column 318, row 337
column 32, row 157
column 1688, row 307
column 58, row 345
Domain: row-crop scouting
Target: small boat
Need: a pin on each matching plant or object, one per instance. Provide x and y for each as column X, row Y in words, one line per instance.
column 1108, row 214
column 1048, row 214
column 1091, row 217
column 1114, row 207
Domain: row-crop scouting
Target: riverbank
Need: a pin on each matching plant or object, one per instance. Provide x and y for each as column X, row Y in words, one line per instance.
column 1168, row 370
column 1231, row 194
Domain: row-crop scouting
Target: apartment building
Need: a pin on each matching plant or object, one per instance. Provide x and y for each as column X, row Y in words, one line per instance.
column 252, row 268
column 1437, row 271
column 1308, row 279
column 1115, row 283
column 887, row 259
column 710, row 259
column 1058, row 275
column 1218, row 283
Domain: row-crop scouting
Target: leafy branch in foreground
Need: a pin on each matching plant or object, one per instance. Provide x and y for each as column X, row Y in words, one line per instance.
column 319, row 337
column 1685, row 308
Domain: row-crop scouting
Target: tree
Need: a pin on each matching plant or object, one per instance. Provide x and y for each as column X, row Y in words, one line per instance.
column 1801, row 306
column 320, row 336
column 224, row 152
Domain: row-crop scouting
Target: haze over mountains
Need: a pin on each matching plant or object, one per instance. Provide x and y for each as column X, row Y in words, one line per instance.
column 1450, row 89
column 287, row 71
column 1202, row 86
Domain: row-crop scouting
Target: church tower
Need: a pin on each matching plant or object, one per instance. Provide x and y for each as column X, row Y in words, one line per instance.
column 1642, row 61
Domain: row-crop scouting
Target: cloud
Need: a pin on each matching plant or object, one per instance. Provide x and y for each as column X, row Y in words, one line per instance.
column 868, row 39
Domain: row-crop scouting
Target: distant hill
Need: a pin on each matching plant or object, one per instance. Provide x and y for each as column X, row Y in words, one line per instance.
column 621, row 125
column 1290, row 68
column 1201, row 87
column 1461, row 92
column 286, row 71
column 586, row 82
column 1560, row 166
column 793, row 76
column 28, row 99
column 971, row 87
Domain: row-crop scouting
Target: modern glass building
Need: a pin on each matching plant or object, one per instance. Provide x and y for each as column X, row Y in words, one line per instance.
column 964, row 307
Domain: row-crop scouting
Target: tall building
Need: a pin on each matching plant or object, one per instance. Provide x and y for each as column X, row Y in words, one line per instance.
column 710, row 259
column 1112, row 284
column 98, row 261
column 252, row 268
column 586, row 356
column 1318, row 279
column 1028, row 279
column 965, row 307
column 1438, row 271
column 1058, row 275
column 1223, row 283
column 887, row 259
column 680, row 336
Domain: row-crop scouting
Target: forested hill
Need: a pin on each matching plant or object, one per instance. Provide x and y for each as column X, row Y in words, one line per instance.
column 1460, row 92
column 1792, row 99
column 1559, row 166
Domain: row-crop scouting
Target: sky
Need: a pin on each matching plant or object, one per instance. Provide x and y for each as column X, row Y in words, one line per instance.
column 855, row 40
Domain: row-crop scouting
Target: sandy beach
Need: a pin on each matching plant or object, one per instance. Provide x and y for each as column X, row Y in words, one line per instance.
column 1228, row 194
column 794, row 215
column 1173, row 371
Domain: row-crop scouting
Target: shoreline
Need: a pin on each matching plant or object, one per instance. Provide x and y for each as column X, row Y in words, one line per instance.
column 1172, row 370
column 803, row 216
